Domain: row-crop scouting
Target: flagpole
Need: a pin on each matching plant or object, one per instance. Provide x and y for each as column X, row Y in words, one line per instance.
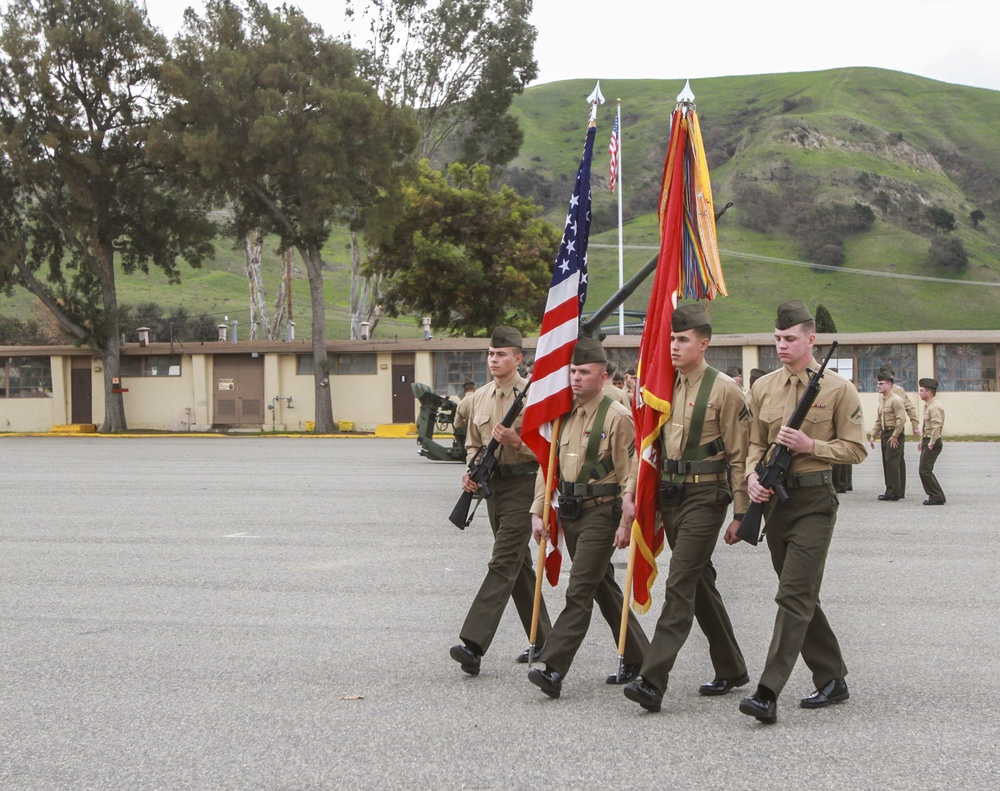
column 621, row 248
column 540, row 566
column 626, row 603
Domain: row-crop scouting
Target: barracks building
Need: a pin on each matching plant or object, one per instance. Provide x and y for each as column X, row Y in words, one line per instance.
column 268, row 385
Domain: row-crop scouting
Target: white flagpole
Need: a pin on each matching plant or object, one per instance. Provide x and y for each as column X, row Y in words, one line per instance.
column 621, row 249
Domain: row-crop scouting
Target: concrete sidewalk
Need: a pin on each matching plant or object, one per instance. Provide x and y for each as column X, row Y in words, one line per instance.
column 252, row 614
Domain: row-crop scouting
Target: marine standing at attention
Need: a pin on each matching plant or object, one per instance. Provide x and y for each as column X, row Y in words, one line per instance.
column 509, row 574
column 704, row 450
column 799, row 531
column 930, row 441
column 596, row 446
column 889, row 428
column 911, row 413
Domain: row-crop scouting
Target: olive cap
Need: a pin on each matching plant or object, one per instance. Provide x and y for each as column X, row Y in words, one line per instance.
column 792, row 312
column 688, row 316
column 930, row 384
column 589, row 350
column 506, row 336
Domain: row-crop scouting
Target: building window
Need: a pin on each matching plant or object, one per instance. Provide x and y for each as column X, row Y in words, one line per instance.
column 722, row 358
column 453, row 369
column 902, row 358
column 623, row 359
column 26, row 377
column 842, row 361
column 769, row 360
column 154, row 365
column 966, row 367
column 364, row 363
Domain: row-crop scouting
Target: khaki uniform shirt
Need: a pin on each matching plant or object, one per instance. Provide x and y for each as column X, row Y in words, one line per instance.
column 890, row 417
column 464, row 411
column 726, row 416
column 489, row 405
column 617, row 441
column 834, row 422
column 617, row 394
column 933, row 422
column 911, row 411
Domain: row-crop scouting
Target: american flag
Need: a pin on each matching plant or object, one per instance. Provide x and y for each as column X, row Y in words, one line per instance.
column 550, row 395
column 615, row 151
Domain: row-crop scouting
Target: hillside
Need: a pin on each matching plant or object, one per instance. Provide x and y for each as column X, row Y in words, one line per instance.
column 890, row 141
column 778, row 147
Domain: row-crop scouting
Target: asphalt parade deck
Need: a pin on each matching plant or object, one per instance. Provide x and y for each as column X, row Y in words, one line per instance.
column 251, row 614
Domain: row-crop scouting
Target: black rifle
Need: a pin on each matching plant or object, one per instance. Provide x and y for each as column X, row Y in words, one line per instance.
column 482, row 466
column 772, row 473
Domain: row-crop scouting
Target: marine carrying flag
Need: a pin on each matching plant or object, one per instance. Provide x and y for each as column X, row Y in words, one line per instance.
column 688, row 265
column 550, row 395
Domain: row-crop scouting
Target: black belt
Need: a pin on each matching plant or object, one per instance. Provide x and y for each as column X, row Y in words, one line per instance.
column 510, row 470
column 685, row 467
column 571, row 489
column 809, row 479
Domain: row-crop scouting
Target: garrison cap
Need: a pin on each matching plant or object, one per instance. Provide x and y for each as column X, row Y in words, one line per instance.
column 506, row 336
column 689, row 315
column 930, row 384
column 734, row 371
column 469, row 385
column 887, row 370
column 792, row 312
column 589, row 350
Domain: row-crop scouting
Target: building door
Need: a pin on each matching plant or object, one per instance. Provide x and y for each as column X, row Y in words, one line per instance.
column 403, row 409
column 81, row 391
column 239, row 390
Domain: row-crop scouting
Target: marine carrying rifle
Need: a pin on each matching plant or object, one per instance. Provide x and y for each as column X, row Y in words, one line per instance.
column 481, row 468
column 773, row 473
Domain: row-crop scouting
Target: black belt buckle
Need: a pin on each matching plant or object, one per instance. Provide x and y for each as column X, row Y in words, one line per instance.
column 570, row 506
column 671, row 494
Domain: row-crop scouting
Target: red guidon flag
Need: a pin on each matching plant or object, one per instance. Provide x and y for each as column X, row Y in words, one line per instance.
column 654, row 388
column 688, row 266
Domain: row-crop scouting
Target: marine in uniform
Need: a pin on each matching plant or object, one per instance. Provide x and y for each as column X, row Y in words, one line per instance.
column 509, row 573
column 735, row 373
column 704, row 450
column 930, row 441
column 889, row 428
column 464, row 408
column 799, row 531
column 596, row 446
column 911, row 413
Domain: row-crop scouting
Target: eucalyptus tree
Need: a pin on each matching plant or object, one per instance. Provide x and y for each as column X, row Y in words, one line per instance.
column 79, row 92
column 270, row 115
column 459, row 64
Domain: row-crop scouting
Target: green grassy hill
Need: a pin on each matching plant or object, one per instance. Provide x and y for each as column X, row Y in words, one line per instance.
column 888, row 140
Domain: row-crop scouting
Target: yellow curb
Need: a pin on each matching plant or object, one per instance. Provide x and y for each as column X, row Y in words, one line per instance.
column 396, row 430
column 74, row 428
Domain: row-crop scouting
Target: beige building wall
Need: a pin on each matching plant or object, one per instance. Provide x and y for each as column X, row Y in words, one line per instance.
column 186, row 402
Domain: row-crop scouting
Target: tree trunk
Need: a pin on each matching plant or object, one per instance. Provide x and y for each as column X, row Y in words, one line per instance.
column 114, row 403
column 321, row 366
column 359, row 289
column 109, row 346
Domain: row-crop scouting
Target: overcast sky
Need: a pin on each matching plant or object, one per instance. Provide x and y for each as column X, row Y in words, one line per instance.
column 949, row 40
